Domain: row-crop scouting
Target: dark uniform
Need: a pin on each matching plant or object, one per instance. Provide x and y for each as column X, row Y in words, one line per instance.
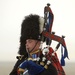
column 37, row 68
column 14, row 70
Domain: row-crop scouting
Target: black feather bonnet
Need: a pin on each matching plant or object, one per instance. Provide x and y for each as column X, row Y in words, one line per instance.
column 31, row 28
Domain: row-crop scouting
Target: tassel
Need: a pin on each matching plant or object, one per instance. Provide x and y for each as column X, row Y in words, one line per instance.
column 65, row 53
column 62, row 61
column 62, row 57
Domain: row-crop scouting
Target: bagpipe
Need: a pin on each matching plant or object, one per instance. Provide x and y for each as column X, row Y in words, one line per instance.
column 48, row 35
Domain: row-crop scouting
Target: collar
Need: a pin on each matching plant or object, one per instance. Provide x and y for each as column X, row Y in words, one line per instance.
column 35, row 52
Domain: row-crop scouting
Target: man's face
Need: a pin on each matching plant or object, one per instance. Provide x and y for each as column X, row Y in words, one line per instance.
column 30, row 44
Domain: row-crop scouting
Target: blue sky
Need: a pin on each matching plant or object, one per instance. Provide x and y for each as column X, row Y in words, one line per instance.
column 12, row 13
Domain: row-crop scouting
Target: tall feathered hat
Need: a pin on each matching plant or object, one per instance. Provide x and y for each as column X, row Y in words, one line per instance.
column 31, row 28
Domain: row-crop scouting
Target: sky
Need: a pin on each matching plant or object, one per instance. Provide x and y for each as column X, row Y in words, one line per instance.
column 12, row 13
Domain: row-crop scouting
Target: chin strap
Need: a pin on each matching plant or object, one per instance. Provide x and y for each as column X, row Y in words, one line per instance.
column 31, row 50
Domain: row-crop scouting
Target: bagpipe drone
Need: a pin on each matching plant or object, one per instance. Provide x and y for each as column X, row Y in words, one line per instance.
column 48, row 35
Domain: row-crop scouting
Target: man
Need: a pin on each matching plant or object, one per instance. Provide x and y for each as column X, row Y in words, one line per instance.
column 31, row 32
column 34, row 68
column 34, row 60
